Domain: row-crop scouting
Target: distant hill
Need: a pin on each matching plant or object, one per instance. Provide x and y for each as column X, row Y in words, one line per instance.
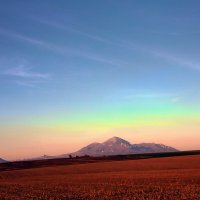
column 2, row 160
column 119, row 146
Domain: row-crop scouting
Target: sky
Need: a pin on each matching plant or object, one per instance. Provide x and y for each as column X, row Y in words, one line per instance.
column 76, row 72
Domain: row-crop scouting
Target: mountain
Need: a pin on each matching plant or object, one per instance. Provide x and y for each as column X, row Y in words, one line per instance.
column 2, row 160
column 119, row 146
column 113, row 146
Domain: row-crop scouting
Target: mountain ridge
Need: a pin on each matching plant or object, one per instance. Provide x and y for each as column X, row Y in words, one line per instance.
column 113, row 146
column 119, row 146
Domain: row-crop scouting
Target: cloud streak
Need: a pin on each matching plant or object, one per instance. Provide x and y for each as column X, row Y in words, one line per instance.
column 149, row 95
column 175, row 59
column 129, row 95
column 23, row 75
column 29, row 83
column 63, row 50
column 72, row 30
column 25, row 72
column 167, row 56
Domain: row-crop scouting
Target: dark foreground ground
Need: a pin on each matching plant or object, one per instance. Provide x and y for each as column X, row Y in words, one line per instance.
column 170, row 178
column 18, row 165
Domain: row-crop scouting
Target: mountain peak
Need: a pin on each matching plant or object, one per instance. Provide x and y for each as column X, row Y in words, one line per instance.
column 116, row 140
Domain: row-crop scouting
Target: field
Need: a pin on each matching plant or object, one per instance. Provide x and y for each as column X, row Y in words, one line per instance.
column 167, row 178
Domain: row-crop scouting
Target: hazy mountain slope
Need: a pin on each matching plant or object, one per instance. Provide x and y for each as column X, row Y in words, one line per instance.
column 152, row 148
column 2, row 160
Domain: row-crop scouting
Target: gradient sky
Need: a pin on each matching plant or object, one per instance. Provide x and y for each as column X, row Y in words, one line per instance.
column 75, row 72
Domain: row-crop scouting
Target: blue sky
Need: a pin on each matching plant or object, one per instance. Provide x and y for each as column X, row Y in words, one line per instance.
column 66, row 57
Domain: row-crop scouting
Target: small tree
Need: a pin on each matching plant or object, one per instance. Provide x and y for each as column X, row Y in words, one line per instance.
column 70, row 156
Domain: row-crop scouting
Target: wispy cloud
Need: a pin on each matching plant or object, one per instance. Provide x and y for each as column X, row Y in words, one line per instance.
column 97, row 38
column 160, row 96
column 149, row 95
column 155, row 52
column 175, row 99
column 159, row 53
column 181, row 61
column 25, row 83
column 176, row 59
column 24, row 72
column 129, row 95
column 72, row 30
column 63, row 50
column 130, row 46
